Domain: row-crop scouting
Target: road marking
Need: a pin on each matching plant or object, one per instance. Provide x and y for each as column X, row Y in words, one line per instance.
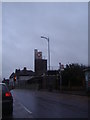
column 23, row 106
column 26, row 108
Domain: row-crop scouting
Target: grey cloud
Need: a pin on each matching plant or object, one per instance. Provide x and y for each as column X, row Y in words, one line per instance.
column 23, row 24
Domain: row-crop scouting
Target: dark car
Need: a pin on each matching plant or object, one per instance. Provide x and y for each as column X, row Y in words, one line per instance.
column 7, row 99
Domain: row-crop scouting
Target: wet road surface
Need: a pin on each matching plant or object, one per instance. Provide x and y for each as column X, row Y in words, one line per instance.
column 40, row 104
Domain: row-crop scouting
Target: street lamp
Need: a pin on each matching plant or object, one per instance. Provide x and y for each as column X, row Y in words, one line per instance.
column 47, row 38
column 60, row 76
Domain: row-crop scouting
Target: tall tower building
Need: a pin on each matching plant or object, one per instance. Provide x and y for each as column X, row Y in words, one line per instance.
column 40, row 65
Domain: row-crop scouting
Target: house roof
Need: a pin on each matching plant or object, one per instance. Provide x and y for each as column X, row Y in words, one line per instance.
column 12, row 75
column 23, row 72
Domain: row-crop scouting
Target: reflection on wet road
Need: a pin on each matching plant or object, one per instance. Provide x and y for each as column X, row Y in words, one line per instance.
column 37, row 104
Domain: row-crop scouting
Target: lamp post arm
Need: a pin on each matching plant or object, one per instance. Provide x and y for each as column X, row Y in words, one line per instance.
column 47, row 38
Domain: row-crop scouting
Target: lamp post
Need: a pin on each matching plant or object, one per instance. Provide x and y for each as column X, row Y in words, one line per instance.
column 47, row 38
column 60, row 76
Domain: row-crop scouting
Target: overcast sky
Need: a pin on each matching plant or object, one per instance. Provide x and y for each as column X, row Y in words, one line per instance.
column 66, row 25
column 0, row 40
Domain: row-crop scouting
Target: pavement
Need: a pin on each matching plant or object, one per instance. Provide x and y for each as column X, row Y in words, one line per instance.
column 81, row 93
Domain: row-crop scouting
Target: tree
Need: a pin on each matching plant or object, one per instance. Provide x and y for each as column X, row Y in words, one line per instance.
column 73, row 75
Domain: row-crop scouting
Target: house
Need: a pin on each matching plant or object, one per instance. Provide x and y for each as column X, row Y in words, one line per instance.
column 20, row 77
column 6, row 81
column 11, row 80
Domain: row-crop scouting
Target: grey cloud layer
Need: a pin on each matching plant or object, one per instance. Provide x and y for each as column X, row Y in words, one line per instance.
column 23, row 24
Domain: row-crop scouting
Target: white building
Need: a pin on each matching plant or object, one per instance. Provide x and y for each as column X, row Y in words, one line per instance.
column 20, row 77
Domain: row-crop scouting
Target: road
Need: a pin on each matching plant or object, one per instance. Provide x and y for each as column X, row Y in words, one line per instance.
column 41, row 104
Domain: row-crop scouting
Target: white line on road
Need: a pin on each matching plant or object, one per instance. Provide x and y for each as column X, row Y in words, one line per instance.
column 25, row 108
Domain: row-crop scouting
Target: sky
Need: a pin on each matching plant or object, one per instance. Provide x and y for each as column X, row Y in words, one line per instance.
column 23, row 24
column 0, row 40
